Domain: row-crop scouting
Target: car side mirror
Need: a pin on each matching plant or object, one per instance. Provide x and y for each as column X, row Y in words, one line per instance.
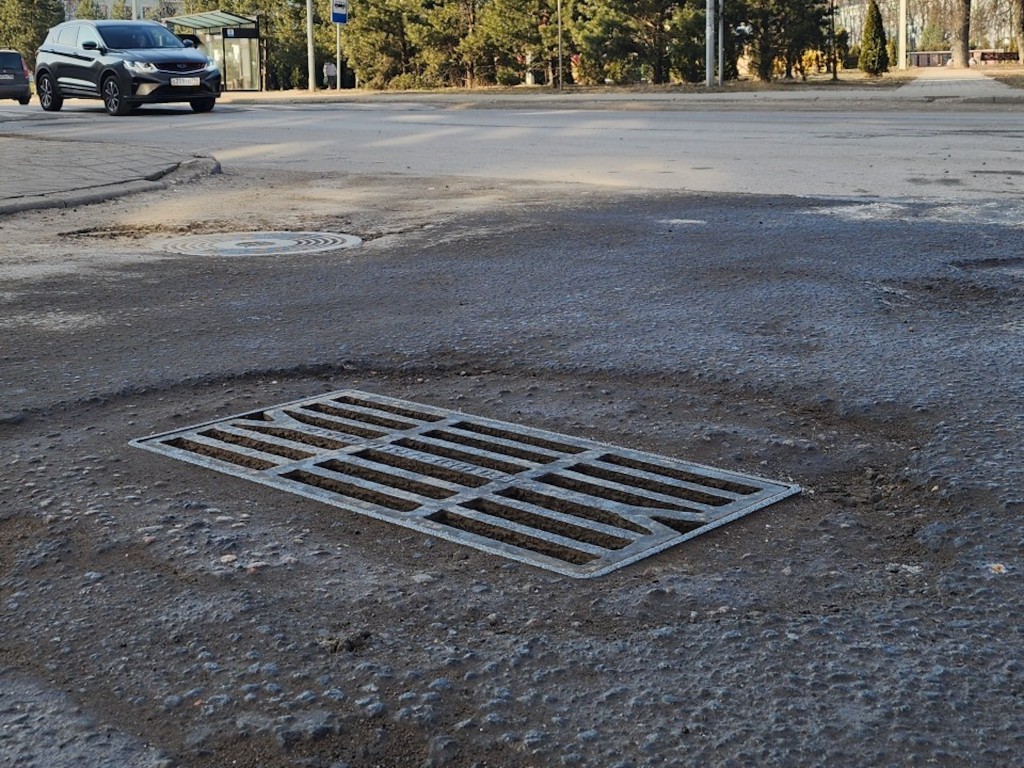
column 90, row 45
column 189, row 44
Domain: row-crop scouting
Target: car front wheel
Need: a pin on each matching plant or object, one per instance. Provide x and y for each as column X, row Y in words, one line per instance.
column 49, row 97
column 113, row 99
column 202, row 105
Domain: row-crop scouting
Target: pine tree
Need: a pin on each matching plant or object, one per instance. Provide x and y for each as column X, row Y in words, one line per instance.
column 874, row 59
column 88, row 9
column 23, row 23
column 120, row 9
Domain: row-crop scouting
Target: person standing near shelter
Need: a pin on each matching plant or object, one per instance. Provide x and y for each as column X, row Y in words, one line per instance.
column 330, row 75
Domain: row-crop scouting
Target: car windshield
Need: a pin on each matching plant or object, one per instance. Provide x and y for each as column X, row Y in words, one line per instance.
column 10, row 60
column 132, row 36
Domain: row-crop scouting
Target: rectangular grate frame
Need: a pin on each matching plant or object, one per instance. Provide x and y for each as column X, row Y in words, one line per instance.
column 573, row 506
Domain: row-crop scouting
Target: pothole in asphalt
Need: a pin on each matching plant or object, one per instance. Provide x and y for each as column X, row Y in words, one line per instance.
column 569, row 505
column 260, row 243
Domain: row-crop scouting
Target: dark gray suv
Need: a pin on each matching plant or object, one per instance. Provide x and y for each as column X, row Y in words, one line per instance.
column 14, row 77
column 125, row 63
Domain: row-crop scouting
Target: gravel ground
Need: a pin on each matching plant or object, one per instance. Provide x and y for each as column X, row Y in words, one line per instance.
column 159, row 614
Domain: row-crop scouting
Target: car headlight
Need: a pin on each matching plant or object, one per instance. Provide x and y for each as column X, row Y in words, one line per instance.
column 139, row 67
column 211, row 65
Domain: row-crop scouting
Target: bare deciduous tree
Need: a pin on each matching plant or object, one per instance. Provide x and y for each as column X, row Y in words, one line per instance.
column 1017, row 25
column 960, row 33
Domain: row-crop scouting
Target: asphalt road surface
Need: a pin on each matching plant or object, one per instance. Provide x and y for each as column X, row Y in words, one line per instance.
column 935, row 153
column 829, row 299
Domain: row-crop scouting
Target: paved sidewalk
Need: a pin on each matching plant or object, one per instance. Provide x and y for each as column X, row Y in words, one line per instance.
column 923, row 86
column 971, row 85
column 43, row 173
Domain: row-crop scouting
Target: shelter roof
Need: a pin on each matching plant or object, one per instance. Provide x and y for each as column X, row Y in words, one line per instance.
column 210, row 20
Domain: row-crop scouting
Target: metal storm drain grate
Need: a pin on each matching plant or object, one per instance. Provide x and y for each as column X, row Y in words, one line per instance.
column 260, row 243
column 572, row 506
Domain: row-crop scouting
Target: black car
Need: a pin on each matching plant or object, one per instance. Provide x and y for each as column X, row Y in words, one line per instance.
column 125, row 63
column 14, row 75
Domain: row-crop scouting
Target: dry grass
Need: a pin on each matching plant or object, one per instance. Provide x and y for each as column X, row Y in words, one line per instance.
column 1010, row 74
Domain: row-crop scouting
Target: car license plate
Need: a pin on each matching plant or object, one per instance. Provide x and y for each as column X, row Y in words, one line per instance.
column 6, row 77
column 184, row 81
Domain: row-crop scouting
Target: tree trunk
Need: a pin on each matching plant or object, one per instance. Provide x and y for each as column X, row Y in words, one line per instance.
column 961, row 37
column 1017, row 25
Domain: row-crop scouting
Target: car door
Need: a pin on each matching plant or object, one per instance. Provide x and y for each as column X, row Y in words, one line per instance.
column 59, row 53
column 80, row 68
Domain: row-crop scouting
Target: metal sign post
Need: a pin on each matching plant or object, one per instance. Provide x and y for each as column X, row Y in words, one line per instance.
column 339, row 15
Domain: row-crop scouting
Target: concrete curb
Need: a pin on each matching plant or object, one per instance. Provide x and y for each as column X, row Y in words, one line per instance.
column 847, row 99
column 178, row 173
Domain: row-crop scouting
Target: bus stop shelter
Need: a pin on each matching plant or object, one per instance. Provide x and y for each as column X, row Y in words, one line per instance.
column 232, row 41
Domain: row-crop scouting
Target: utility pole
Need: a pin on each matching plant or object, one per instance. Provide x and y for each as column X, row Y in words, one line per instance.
column 709, row 43
column 310, row 53
column 559, row 44
column 833, row 58
column 721, row 43
column 903, row 36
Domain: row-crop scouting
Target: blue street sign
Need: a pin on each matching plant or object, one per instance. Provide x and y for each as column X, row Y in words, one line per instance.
column 339, row 11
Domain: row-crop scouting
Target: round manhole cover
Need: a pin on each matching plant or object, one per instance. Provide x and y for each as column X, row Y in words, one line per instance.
column 260, row 243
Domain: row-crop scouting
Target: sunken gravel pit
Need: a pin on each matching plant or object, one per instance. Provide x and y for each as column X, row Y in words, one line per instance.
column 331, row 508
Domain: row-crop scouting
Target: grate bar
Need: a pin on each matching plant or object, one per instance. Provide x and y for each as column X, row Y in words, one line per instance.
column 357, row 466
column 294, row 420
column 447, row 477
column 372, row 486
column 440, row 463
column 353, row 429
column 424, row 414
column 217, row 447
column 313, row 437
column 567, row 519
column 276, row 446
column 716, row 496
column 361, row 415
column 499, row 445
column 527, row 531
column 622, row 509
column 483, row 459
column 598, row 488
column 566, row 504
